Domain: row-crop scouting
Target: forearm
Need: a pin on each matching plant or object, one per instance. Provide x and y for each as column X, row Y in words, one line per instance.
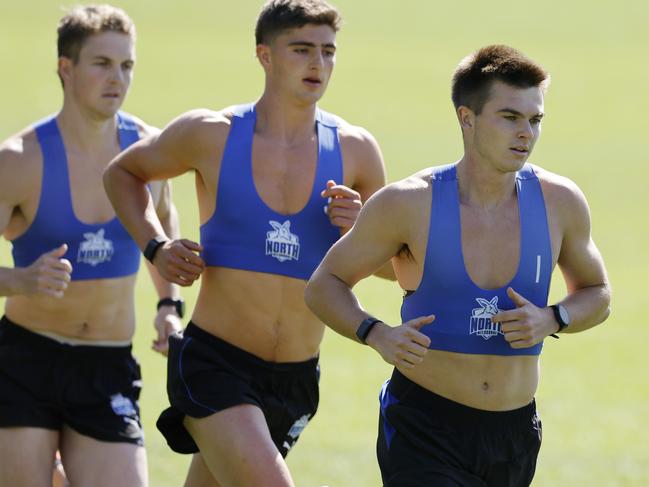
column 333, row 301
column 133, row 204
column 588, row 307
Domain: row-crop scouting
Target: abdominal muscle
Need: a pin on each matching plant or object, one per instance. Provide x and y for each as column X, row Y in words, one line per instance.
column 263, row 314
column 96, row 310
column 487, row 382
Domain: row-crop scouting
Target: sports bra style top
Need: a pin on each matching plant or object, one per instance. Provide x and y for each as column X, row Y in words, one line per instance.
column 96, row 251
column 244, row 233
column 463, row 310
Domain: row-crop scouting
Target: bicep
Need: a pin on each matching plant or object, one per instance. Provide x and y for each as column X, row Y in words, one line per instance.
column 370, row 174
column 580, row 261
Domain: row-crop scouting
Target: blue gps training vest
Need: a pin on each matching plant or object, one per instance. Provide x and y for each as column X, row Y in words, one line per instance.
column 244, row 233
column 98, row 251
column 462, row 309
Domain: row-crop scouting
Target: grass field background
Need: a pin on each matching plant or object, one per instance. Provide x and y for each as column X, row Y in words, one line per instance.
column 392, row 77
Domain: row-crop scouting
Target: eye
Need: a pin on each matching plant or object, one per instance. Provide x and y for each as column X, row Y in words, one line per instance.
column 301, row 50
column 510, row 117
column 127, row 66
column 329, row 53
column 535, row 121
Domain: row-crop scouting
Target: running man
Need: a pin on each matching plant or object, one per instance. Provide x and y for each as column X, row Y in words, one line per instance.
column 68, row 379
column 243, row 378
column 473, row 244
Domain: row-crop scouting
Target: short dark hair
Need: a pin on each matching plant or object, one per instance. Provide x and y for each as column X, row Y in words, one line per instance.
column 82, row 22
column 280, row 15
column 476, row 73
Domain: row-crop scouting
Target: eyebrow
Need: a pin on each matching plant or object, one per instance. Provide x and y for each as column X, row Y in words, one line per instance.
column 311, row 44
column 517, row 113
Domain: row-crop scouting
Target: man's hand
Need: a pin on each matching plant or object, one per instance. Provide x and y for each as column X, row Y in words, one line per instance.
column 167, row 322
column 49, row 275
column 343, row 205
column 178, row 261
column 527, row 324
column 402, row 346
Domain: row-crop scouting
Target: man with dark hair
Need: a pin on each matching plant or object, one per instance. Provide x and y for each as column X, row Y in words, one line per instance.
column 243, row 378
column 474, row 245
column 68, row 379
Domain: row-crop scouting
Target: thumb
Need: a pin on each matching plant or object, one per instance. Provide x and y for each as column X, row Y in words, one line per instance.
column 192, row 245
column 59, row 251
column 516, row 298
column 420, row 322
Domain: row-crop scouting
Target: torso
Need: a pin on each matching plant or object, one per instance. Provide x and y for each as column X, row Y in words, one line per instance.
column 93, row 310
column 489, row 382
column 264, row 314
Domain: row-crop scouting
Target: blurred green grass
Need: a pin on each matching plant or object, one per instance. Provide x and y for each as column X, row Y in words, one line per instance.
column 393, row 77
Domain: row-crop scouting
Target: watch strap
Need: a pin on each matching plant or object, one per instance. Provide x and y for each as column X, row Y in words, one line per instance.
column 364, row 329
column 152, row 247
column 177, row 303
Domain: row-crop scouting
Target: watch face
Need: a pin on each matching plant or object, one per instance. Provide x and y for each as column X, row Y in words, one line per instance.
column 563, row 312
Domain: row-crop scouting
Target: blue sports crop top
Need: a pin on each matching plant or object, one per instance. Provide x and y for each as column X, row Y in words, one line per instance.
column 462, row 309
column 244, row 233
column 97, row 251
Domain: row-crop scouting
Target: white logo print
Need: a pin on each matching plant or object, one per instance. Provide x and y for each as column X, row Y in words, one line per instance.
column 295, row 431
column 96, row 249
column 481, row 324
column 122, row 406
column 281, row 243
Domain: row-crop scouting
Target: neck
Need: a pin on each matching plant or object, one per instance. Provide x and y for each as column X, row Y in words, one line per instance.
column 84, row 131
column 285, row 121
column 483, row 186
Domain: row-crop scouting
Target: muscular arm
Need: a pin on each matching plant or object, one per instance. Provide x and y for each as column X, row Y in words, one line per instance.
column 183, row 146
column 589, row 292
column 377, row 235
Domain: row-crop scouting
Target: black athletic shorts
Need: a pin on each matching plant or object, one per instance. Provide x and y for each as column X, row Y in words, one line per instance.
column 207, row 375
column 426, row 440
column 46, row 384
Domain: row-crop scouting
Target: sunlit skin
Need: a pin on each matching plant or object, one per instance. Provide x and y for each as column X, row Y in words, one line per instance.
column 102, row 75
column 299, row 63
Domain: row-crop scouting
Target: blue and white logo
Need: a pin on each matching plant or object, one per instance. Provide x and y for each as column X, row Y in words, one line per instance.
column 295, row 431
column 481, row 323
column 122, row 406
column 95, row 249
column 281, row 243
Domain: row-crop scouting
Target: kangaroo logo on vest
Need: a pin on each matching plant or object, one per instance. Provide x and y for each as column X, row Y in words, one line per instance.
column 95, row 249
column 481, row 324
column 281, row 243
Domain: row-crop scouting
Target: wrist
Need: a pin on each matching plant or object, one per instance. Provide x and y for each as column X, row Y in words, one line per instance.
column 175, row 304
column 153, row 246
column 375, row 334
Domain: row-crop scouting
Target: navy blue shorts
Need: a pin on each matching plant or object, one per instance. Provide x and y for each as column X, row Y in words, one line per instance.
column 207, row 375
column 46, row 384
column 426, row 440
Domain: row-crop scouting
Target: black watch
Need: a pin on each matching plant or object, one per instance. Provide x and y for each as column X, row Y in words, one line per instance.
column 562, row 317
column 177, row 303
column 153, row 246
column 363, row 331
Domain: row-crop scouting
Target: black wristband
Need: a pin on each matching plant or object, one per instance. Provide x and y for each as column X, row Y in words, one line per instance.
column 153, row 246
column 177, row 303
column 363, row 331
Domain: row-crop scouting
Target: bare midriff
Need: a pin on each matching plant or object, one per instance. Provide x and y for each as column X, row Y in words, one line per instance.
column 92, row 310
column 263, row 314
column 487, row 382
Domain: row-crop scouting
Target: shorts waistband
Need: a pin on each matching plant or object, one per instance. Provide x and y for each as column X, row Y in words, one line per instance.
column 14, row 332
column 409, row 393
column 239, row 355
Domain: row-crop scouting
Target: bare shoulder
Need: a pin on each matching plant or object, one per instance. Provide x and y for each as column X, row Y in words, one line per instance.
column 565, row 202
column 201, row 125
column 404, row 196
column 354, row 137
column 20, row 161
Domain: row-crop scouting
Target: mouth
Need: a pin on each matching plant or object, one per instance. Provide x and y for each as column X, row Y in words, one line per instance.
column 315, row 82
column 111, row 95
column 520, row 150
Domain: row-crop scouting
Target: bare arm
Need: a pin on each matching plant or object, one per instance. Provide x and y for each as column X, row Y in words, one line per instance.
column 589, row 292
column 176, row 150
column 377, row 235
